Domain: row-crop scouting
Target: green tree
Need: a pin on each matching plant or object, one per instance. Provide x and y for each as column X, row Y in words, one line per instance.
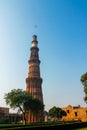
column 83, row 80
column 23, row 101
column 56, row 113
column 37, row 108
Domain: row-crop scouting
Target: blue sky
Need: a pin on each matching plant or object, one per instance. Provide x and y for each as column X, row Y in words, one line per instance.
column 62, row 41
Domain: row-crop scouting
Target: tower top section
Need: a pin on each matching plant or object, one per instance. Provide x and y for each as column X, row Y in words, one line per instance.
column 34, row 41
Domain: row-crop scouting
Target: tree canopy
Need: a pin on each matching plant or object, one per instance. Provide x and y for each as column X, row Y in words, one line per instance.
column 56, row 112
column 17, row 98
column 83, row 80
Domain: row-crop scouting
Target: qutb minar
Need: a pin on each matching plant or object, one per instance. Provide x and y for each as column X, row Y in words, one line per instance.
column 33, row 80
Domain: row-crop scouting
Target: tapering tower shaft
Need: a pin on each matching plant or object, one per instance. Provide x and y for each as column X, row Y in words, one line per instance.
column 33, row 80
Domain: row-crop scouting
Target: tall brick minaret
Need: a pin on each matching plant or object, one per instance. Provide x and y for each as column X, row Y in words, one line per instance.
column 33, row 80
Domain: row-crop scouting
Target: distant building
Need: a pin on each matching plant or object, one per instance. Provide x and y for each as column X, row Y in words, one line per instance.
column 15, row 117
column 4, row 112
column 75, row 113
column 12, row 117
column 46, row 116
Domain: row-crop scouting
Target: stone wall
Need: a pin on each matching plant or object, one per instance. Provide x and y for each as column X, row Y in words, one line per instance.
column 75, row 113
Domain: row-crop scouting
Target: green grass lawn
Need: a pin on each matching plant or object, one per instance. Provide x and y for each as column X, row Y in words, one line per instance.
column 58, row 125
column 81, row 129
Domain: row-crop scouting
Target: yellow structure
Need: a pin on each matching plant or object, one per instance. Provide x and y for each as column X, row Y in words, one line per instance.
column 75, row 113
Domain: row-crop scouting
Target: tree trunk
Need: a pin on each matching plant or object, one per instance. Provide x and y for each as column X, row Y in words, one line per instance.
column 24, row 119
